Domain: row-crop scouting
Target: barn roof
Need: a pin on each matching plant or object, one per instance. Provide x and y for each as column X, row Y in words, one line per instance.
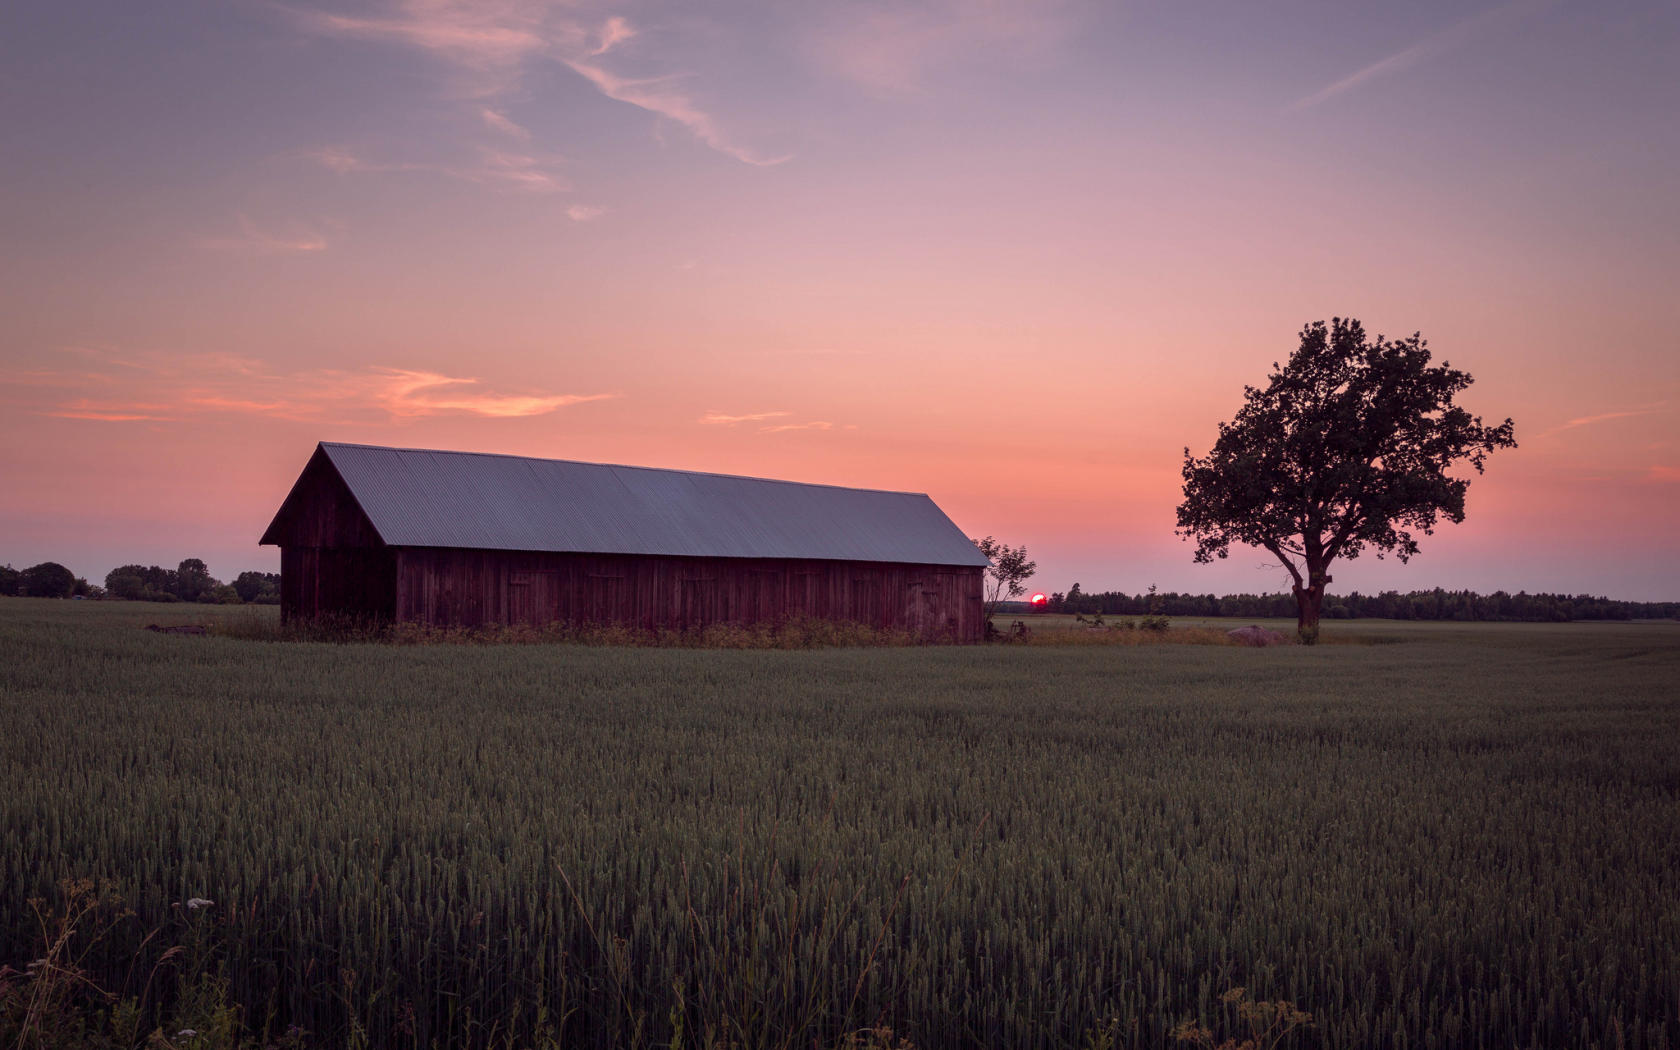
column 421, row 498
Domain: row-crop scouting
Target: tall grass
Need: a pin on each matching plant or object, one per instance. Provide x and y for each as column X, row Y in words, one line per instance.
column 1469, row 841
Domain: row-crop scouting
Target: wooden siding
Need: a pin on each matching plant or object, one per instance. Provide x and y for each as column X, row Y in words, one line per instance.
column 338, row 581
column 447, row 587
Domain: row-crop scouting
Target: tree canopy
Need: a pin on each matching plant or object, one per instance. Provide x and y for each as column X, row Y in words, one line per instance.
column 47, row 580
column 1346, row 449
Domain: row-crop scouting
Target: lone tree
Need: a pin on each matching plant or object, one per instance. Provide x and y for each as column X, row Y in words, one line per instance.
column 1348, row 447
column 1008, row 575
column 47, row 580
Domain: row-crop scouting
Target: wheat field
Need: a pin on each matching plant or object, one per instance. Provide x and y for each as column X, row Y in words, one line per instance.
column 1469, row 838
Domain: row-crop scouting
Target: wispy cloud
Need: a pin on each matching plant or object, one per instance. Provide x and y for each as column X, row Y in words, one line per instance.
column 85, row 409
column 485, row 165
column 410, row 395
column 337, row 158
column 1446, row 40
column 660, row 95
column 584, row 212
column 485, row 42
column 489, row 45
column 889, row 48
column 1663, row 474
column 613, row 32
column 818, row 425
column 501, row 123
column 1642, row 410
column 177, row 387
column 720, row 418
column 253, row 240
column 516, row 169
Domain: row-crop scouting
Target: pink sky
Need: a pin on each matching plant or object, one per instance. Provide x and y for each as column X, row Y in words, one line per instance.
column 1015, row 255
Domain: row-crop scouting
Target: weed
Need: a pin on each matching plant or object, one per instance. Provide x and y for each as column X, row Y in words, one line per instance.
column 1259, row 1025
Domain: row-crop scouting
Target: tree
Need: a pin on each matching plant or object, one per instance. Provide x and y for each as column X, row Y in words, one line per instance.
column 1348, row 447
column 149, row 583
column 10, row 580
column 193, row 580
column 128, row 585
column 48, row 580
column 1007, row 576
column 253, row 585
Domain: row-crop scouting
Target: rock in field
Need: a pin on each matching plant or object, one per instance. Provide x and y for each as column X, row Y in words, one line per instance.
column 1256, row 635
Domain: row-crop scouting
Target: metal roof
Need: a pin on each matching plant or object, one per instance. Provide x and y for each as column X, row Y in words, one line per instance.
column 424, row 498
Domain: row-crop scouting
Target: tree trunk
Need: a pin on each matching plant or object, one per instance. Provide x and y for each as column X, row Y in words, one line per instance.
column 1309, row 601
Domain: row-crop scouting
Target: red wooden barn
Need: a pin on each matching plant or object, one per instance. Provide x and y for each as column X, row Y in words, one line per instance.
column 463, row 538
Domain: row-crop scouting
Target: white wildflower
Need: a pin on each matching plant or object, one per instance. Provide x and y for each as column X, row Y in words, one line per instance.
column 198, row 902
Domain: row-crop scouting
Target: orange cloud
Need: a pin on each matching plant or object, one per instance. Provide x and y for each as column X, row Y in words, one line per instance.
column 798, row 426
column 172, row 388
column 406, row 395
column 718, row 417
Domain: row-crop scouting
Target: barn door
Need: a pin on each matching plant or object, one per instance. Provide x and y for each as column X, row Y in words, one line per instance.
column 533, row 597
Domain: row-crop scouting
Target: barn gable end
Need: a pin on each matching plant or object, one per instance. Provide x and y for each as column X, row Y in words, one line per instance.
column 321, row 511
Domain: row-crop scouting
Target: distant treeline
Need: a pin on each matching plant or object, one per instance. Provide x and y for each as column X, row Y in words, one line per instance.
column 188, row 582
column 1438, row 604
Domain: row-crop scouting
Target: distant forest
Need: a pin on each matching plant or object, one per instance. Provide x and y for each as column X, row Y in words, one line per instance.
column 188, row 582
column 1438, row 604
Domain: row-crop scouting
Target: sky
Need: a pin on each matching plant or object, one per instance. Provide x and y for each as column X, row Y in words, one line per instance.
column 1016, row 255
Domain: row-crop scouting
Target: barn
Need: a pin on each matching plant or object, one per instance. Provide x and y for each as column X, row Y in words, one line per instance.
column 464, row 538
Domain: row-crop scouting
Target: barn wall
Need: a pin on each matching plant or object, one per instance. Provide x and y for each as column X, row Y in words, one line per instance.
column 446, row 587
column 338, row 581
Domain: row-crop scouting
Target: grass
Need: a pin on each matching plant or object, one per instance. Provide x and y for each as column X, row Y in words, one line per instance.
column 1469, row 840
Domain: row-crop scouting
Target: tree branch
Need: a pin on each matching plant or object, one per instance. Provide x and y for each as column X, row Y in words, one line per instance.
column 1277, row 550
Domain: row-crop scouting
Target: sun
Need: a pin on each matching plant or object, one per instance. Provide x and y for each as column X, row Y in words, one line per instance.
column 1039, row 599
